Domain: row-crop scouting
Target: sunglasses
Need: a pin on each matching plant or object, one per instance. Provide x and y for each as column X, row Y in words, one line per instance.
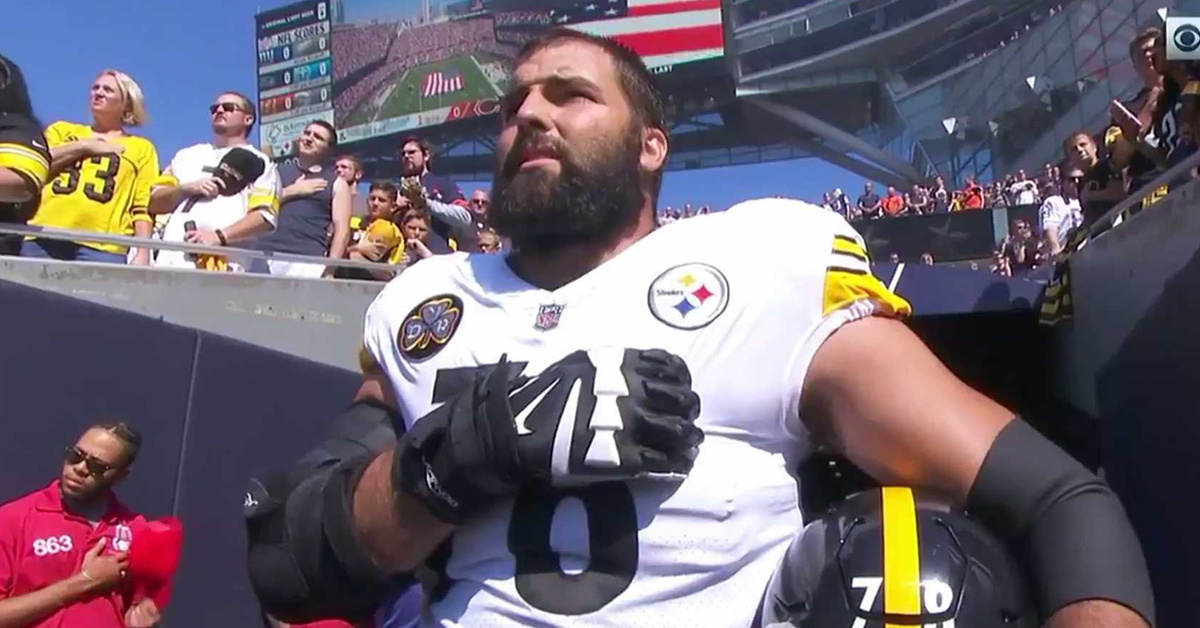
column 95, row 466
column 227, row 107
column 476, row 201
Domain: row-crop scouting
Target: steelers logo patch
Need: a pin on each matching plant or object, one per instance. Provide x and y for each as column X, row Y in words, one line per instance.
column 429, row 326
column 689, row 296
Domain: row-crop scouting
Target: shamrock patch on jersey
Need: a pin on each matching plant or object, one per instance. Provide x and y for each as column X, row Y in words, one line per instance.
column 429, row 326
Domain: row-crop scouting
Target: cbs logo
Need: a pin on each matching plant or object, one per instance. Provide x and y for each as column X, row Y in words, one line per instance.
column 1183, row 38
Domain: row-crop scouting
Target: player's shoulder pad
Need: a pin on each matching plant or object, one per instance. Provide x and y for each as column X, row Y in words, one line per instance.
column 781, row 218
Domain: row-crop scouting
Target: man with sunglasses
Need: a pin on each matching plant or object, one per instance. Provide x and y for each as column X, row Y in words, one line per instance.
column 469, row 236
column 192, row 195
column 1060, row 213
column 64, row 549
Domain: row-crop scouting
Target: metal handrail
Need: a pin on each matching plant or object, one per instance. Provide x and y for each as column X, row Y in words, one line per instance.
column 75, row 235
column 1179, row 170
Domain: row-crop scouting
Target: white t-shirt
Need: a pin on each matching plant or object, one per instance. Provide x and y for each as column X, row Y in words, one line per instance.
column 195, row 163
column 1060, row 216
column 746, row 319
column 1024, row 192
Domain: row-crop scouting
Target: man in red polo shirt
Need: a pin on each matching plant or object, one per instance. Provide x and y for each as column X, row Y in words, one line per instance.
column 64, row 549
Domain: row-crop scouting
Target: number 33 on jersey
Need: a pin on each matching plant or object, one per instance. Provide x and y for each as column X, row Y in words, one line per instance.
column 104, row 193
column 746, row 318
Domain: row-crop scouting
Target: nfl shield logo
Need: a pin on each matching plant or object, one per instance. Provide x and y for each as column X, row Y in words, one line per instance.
column 547, row 316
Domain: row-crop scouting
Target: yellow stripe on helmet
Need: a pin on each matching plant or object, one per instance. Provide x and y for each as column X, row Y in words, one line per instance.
column 901, row 554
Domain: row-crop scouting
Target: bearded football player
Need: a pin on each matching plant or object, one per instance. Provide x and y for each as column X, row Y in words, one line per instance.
column 600, row 428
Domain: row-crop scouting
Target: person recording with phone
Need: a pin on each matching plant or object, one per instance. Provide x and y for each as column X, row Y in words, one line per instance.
column 226, row 189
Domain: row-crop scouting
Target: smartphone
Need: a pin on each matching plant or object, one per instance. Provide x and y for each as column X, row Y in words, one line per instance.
column 189, row 226
column 1124, row 110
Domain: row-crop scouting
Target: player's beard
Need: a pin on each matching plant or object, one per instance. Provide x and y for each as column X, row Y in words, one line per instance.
column 595, row 196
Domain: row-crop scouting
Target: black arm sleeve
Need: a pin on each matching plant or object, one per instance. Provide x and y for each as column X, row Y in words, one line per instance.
column 1064, row 523
column 306, row 561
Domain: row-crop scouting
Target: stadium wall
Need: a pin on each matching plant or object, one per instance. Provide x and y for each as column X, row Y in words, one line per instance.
column 1130, row 357
column 319, row 320
column 213, row 412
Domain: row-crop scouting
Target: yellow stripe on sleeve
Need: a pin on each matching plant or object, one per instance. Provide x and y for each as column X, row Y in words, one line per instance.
column 844, row 286
column 901, row 554
column 166, row 179
column 366, row 361
column 26, row 161
column 847, row 246
column 264, row 199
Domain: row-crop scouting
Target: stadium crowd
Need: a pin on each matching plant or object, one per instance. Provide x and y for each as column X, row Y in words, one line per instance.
column 224, row 192
column 115, row 174
column 1146, row 135
column 357, row 46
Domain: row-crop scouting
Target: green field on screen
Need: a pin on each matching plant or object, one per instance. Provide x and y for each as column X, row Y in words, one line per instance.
column 404, row 95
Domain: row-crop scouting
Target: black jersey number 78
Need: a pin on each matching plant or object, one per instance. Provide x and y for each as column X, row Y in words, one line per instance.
column 611, row 513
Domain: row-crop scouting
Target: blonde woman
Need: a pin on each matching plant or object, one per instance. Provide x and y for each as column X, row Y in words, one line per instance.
column 100, row 176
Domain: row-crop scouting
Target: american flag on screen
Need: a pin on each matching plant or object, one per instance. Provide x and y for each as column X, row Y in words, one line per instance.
column 439, row 82
column 664, row 32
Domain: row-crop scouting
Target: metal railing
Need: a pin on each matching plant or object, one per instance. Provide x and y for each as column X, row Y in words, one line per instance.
column 75, row 235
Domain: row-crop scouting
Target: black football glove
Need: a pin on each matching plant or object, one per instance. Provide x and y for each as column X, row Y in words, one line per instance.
column 608, row 414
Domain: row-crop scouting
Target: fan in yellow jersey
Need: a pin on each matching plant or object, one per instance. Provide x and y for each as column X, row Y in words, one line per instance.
column 100, row 176
column 379, row 239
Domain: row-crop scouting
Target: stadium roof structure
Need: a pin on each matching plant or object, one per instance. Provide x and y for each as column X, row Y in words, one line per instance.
column 803, row 78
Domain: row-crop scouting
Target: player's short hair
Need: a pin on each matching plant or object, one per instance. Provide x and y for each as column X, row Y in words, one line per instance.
column 637, row 83
column 387, row 187
column 124, row 433
column 328, row 127
column 135, row 113
column 247, row 106
column 423, row 144
column 1152, row 33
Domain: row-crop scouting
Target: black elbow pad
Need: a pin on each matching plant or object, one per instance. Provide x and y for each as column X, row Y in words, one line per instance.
column 1063, row 521
column 306, row 561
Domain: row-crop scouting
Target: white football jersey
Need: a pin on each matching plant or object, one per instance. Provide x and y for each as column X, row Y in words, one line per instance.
column 195, row 163
column 744, row 312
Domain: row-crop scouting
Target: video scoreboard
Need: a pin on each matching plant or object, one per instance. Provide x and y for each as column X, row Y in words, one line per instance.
column 295, row 72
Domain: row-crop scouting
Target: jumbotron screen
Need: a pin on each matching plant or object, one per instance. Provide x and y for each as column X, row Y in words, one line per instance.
column 403, row 64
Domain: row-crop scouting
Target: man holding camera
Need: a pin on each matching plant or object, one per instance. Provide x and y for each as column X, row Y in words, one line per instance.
column 198, row 189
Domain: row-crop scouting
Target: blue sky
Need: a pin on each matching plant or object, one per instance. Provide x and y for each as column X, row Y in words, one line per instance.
column 184, row 52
